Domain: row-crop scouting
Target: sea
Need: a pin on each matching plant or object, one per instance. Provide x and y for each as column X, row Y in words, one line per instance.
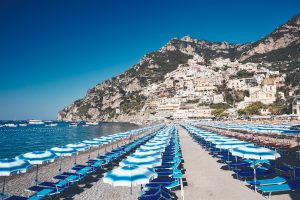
column 18, row 140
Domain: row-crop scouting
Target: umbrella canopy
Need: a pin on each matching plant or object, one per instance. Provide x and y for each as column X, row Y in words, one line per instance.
column 147, row 153
column 93, row 143
column 233, row 144
column 78, row 146
column 155, row 148
column 38, row 157
column 13, row 166
column 64, row 151
column 221, row 141
column 147, row 161
column 129, row 176
column 254, row 152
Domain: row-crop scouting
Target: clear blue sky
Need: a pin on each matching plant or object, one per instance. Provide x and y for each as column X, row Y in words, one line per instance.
column 52, row 51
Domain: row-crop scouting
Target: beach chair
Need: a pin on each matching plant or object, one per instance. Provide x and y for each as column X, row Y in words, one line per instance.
column 270, row 181
column 42, row 192
column 289, row 186
column 286, row 187
column 70, row 178
column 14, row 197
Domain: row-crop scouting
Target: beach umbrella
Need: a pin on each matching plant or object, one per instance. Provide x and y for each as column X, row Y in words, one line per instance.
column 129, row 176
column 233, row 144
column 12, row 166
column 38, row 158
column 256, row 153
column 155, row 148
column 142, row 161
column 103, row 141
column 62, row 152
column 78, row 147
column 92, row 143
column 147, row 153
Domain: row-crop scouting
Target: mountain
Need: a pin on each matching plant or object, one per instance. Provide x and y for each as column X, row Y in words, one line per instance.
column 122, row 97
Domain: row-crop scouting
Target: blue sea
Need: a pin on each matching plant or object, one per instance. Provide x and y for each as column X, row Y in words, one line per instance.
column 17, row 140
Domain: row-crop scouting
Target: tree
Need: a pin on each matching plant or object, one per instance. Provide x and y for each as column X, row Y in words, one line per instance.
column 220, row 113
column 244, row 74
column 252, row 109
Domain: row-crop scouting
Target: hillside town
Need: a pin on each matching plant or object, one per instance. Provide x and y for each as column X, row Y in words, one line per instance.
column 190, row 91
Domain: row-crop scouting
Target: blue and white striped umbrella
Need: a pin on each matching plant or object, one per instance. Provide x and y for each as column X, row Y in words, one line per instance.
column 233, row 144
column 38, row 158
column 129, row 176
column 12, row 166
column 62, row 152
column 143, row 161
column 224, row 140
column 147, row 153
column 155, row 148
column 255, row 152
column 78, row 146
column 92, row 143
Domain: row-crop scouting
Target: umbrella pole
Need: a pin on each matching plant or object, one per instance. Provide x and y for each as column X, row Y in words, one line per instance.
column 3, row 188
column 131, row 197
column 60, row 164
column 75, row 161
column 37, row 174
column 254, row 178
column 90, row 153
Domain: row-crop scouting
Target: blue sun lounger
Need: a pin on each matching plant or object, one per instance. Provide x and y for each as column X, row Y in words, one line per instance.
column 38, row 196
column 270, row 181
column 70, row 178
column 286, row 187
column 14, row 197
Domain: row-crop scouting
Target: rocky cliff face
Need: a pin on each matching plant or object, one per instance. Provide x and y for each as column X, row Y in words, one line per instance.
column 120, row 97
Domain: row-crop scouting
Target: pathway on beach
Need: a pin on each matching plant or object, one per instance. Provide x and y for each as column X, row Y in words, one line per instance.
column 205, row 178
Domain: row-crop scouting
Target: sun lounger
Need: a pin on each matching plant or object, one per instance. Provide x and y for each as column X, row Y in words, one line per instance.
column 69, row 178
column 42, row 191
column 270, row 181
column 286, row 187
column 14, row 197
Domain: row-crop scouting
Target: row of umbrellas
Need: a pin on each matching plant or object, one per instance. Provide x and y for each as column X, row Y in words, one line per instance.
column 283, row 128
column 138, row 168
column 21, row 163
column 236, row 147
